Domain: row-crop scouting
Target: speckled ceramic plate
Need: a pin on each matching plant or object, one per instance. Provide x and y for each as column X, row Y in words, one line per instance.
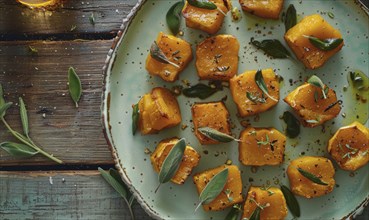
column 126, row 80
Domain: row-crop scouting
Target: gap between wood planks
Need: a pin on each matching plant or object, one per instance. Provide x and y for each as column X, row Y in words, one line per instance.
column 67, row 167
column 58, row 37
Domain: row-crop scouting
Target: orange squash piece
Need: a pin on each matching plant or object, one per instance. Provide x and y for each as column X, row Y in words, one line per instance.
column 308, row 102
column 265, row 8
column 318, row 166
column 176, row 50
column 189, row 161
column 158, row 110
column 233, row 187
column 349, row 146
column 245, row 82
column 206, row 20
column 313, row 25
column 217, row 58
column 261, row 146
column 272, row 199
column 214, row 115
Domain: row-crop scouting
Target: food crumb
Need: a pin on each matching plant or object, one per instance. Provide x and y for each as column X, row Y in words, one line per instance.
column 184, row 126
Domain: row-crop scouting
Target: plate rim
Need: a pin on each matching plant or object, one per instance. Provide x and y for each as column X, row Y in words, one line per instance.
column 105, row 101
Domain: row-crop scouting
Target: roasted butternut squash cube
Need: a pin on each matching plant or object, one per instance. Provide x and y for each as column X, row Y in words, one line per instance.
column 177, row 51
column 313, row 25
column 189, row 161
column 232, row 191
column 158, row 110
column 265, row 9
column 320, row 167
column 308, row 102
column 206, row 20
column 214, row 115
column 271, row 198
column 245, row 83
column 349, row 146
column 261, row 146
column 217, row 58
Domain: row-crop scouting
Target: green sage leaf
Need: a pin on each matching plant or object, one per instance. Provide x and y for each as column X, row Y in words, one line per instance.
column 157, row 54
column 202, row 4
column 172, row 162
column 255, row 214
column 234, row 213
column 135, row 118
column 32, row 50
column 316, row 81
column 75, row 87
column 331, row 15
column 291, row 201
column 24, row 116
column 325, row 44
column 4, row 108
column 113, row 180
column 92, row 19
column 213, row 188
column 2, row 100
column 293, row 124
column 255, row 99
column 291, row 17
column 259, row 80
column 19, row 150
column 311, row 177
column 358, row 80
column 173, row 17
column 273, row 48
column 216, row 135
column 199, row 91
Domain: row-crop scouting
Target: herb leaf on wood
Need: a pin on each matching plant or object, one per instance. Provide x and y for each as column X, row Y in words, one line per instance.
column 75, row 87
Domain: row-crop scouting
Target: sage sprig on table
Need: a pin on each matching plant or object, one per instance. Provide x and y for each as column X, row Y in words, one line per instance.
column 325, row 44
column 199, row 91
column 75, row 87
column 157, row 54
column 173, row 17
column 272, row 47
column 213, row 188
column 135, row 118
column 259, row 80
column 311, row 177
column 27, row 148
column 316, row 81
column 216, row 135
column 293, row 124
column 290, row 19
column 114, row 179
column 291, row 201
column 172, row 162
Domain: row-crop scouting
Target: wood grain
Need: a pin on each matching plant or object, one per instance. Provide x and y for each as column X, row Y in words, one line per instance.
column 18, row 22
column 82, row 195
column 71, row 134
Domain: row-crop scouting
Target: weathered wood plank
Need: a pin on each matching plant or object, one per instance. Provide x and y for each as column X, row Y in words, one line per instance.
column 71, row 134
column 82, row 195
column 18, row 22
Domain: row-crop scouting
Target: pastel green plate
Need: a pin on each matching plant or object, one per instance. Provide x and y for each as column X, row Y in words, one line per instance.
column 126, row 80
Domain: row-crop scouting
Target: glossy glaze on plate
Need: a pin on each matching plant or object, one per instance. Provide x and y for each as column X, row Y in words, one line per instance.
column 126, row 80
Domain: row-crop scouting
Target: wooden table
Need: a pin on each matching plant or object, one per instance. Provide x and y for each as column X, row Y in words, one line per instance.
column 36, row 188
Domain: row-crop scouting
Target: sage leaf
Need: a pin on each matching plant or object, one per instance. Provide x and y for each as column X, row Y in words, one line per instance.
column 199, row 91
column 255, row 214
column 255, row 99
column 293, row 124
column 24, row 116
column 92, row 19
column 234, row 213
column 216, row 135
column 172, row 162
column 135, row 118
column 316, row 81
column 272, row 47
column 5, row 107
column 157, row 54
column 19, row 150
column 325, row 44
column 331, row 15
column 213, row 188
column 259, row 80
column 173, row 17
column 311, row 177
column 291, row 201
column 32, row 50
column 358, row 80
column 75, row 87
column 202, row 4
column 2, row 100
column 291, row 17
